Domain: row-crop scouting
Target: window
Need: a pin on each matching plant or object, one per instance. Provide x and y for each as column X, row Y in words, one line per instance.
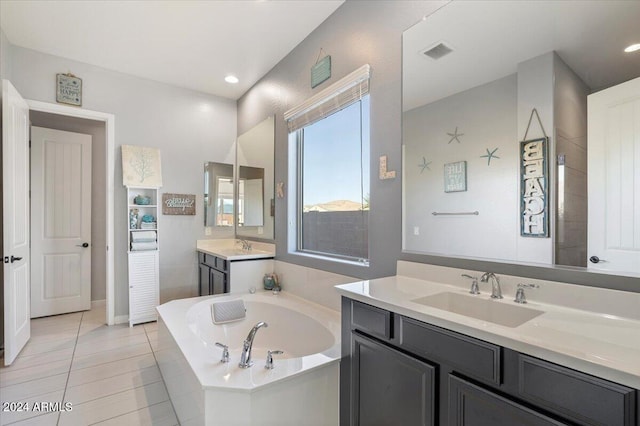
column 330, row 174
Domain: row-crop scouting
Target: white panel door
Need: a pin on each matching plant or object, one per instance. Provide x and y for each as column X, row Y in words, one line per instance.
column 614, row 178
column 15, row 221
column 60, row 222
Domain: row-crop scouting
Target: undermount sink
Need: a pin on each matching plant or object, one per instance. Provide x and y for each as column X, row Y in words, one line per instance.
column 480, row 308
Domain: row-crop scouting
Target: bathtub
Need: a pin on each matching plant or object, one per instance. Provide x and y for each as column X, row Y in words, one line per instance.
column 302, row 389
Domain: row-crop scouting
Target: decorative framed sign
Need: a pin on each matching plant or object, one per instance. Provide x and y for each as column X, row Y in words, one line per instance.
column 321, row 71
column 141, row 166
column 179, row 204
column 68, row 89
column 455, row 177
column 534, row 188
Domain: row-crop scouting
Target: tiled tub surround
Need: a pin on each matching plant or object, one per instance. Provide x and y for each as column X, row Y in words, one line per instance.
column 301, row 389
column 593, row 330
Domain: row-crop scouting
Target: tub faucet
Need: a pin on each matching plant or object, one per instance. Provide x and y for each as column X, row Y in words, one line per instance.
column 496, row 291
column 245, row 358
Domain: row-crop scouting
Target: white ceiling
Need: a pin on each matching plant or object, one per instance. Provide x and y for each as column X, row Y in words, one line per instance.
column 191, row 44
column 490, row 38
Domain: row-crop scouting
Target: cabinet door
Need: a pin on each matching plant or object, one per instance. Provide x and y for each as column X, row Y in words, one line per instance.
column 471, row 405
column 144, row 286
column 389, row 387
column 203, row 287
column 217, row 282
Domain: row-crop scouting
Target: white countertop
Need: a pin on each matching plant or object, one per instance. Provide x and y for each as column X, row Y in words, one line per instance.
column 603, row 345
column 231, row 250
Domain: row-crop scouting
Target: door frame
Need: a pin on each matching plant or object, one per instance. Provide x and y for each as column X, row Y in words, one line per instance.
column 109, row 121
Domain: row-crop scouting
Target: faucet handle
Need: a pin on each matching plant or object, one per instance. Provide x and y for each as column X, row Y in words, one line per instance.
column 520, row 297
column 474, row 284
column 269, row 364
column 225, row 352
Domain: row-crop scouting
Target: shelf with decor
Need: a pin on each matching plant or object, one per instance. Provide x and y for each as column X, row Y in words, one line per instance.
column 143, row 252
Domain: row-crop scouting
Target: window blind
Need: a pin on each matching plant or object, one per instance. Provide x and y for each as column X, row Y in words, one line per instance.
column 339, row 95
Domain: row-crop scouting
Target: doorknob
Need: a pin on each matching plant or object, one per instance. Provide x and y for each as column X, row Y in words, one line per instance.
column 15, row 259
column 85, row 245
column 596, row 259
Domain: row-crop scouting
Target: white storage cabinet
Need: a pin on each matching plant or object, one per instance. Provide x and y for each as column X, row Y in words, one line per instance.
column 144, row 254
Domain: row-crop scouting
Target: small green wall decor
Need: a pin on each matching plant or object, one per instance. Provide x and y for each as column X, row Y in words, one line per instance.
column 455, row 136
column 424, row 165
column 455, row 177
column 489, row 155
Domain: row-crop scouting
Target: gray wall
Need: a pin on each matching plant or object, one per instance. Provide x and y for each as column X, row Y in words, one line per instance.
column 98, row 189
column 188, row 127
column 370, row 32
column 358, row 33
column 486, row 115
column 5, row 56
column 570, row 117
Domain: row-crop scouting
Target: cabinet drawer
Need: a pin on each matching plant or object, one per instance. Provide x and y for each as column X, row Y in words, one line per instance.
column 371, row 320
column 213, row 261
column 207, row 259
column 221, row 264
column 574, row 395
column 467, row 355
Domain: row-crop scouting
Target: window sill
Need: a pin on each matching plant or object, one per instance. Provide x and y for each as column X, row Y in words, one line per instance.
column 309, row 255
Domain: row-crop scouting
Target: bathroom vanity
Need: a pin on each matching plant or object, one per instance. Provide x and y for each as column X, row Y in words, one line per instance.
column 406, row 361
column 227, row 268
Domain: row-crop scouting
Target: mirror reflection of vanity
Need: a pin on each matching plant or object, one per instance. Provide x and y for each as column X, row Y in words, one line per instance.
column 255, row 161
column 471, row 79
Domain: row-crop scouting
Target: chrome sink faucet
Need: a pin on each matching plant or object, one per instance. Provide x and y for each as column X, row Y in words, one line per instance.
column 245, row 358
column 496, row 291
column 246, row 245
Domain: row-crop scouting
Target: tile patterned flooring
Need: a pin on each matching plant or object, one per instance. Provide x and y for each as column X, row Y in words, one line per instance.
column 108, row 374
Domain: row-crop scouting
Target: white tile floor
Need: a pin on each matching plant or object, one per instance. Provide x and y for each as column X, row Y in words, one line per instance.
column 108, row 374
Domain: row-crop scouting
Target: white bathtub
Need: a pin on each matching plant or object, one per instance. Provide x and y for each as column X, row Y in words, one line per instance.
column 303, row 387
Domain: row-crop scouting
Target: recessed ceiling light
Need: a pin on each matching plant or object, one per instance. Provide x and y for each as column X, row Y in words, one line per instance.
column 632, row 48
column 231, row 79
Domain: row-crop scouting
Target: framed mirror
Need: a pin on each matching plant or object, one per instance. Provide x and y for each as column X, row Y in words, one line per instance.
column 218, row 194
column 473, row 74
column 255, row 188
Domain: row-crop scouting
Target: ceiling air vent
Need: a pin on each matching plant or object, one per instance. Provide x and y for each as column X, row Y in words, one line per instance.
column 438, row 51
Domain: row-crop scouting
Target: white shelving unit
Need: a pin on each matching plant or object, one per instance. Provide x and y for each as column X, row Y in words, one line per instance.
column 144, row 254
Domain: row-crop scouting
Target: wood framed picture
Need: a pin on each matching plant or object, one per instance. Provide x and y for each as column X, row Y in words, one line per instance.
column 179, row 204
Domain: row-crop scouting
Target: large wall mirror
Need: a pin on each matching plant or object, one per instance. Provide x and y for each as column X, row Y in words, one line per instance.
column 218, row 194
column 255, row 189
column 473, row 72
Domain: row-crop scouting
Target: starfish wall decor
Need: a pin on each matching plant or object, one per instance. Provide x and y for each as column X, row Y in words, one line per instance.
column 424, row 165
column 489, row 155
column 455, row 136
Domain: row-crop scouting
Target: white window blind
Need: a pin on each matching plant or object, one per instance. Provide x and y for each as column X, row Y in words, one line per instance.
column 339, row 95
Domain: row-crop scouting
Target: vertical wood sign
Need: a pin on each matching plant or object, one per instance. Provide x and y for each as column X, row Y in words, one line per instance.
column 534, row 188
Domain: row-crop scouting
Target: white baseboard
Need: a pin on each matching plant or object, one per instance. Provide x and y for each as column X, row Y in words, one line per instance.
column 98, row 303
column 121, row 319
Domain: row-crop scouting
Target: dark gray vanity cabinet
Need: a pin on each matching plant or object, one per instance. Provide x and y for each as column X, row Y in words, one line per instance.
column 214, row 275
column 396, row 370
column 390, row 387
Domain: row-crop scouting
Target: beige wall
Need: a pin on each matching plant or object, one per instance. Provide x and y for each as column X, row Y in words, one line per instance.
column 188, row 127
